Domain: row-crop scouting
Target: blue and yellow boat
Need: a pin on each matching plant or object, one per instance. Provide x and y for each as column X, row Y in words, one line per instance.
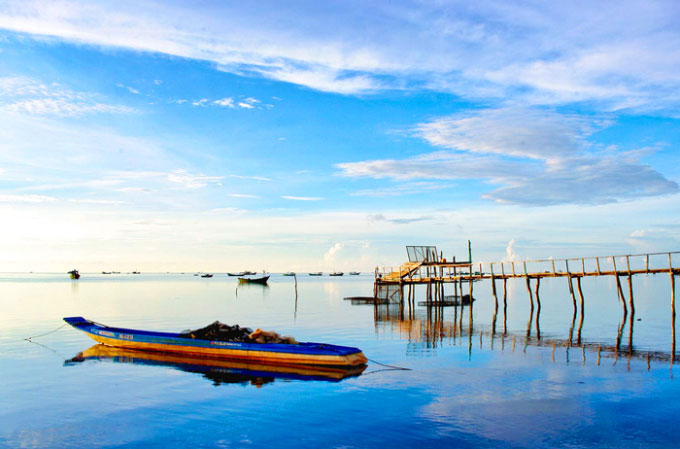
column 319, row 354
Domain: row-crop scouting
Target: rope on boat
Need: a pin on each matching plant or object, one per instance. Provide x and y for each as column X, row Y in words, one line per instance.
column 46, row 333
column 388, row 366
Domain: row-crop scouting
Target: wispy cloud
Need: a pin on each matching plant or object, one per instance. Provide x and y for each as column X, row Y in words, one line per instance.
column 555, row 55
column 11, row 198
column 29, row 96
column 398, row 221
column 301, row 198
column 243, row 195
column 132, row 90
column 538, row 158
column 226, row 102
column 256, row 178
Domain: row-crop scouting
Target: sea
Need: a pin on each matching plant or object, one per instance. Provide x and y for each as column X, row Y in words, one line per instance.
column 505, row 376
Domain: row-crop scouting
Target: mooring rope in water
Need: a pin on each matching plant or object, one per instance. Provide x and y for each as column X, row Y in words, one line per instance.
column 388, row 366
column 46, row 333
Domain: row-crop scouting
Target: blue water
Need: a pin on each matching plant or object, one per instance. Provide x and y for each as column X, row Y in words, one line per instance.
column 463, row 389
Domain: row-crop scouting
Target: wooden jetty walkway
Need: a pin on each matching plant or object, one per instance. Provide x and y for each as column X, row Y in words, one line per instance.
column 428, row 267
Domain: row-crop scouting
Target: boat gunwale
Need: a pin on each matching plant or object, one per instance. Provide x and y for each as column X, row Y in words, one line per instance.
column 169, row 338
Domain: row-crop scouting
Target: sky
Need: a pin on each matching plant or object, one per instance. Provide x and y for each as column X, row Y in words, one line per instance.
column 303, row 135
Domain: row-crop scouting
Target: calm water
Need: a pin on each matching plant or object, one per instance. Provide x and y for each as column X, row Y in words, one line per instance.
column 463, row 389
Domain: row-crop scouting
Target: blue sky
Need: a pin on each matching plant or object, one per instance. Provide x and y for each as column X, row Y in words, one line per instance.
column 327, row 135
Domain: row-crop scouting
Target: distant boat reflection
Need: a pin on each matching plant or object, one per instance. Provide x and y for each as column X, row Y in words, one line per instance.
column 218, row 371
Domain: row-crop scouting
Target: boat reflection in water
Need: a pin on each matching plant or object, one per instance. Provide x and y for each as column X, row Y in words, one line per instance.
column 219, row 371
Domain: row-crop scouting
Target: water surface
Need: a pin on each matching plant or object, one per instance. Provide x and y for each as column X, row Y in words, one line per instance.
column 485, row 385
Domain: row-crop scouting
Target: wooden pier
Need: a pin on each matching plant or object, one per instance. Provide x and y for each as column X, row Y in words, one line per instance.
column 428, row 267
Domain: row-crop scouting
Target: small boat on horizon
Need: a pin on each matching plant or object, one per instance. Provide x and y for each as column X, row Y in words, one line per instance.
column 261, row 280
column 106, row 272
column 207, row 275
column 319, row 354
column 354, row 273
column 249, row 273
column 336, row 273
column 74, row 274
column 242, row 273
column 318, row 273
column 290, row 273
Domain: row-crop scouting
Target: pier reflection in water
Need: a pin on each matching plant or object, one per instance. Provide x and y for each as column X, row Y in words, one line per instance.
column 435, row 324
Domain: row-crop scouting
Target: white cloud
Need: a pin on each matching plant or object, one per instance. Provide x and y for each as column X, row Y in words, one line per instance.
column 256, row 178
column 200, row 102
column 565, row 53
column 11, row 198
column 191, row 181
column 302, row 198
column 510, row 253
column 538, row 158
column 225, row 102
column 158, row 82
column 244, row 105
column 243, row 195
column 132, row 90
column 27, row 95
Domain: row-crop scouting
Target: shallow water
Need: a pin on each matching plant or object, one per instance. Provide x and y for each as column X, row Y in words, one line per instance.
column 497, row 386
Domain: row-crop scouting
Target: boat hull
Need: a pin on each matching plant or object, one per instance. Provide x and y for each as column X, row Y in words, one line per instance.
column 301, row 354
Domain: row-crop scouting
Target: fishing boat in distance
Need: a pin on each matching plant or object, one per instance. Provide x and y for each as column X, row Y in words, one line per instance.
column 74, row 274
column 354, row 273
column 219, row 371
column 318, row 273
column 242, row 273
column 320, row 354
column 290, row 273
column 249, row 273
column 207, row 275
column 261, row 280
column 336, row 273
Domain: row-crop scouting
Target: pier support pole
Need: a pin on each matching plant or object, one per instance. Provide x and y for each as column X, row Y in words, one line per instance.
column 531, row 312
column 672, row 316
column 580, row 323
column 571, row 291
column 495, row 310
column 505, row 306
column 538, row 309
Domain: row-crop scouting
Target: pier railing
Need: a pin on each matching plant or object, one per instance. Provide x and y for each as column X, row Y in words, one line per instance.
column 620, row 265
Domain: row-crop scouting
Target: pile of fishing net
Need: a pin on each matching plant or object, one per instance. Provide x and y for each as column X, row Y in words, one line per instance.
column 223, row 332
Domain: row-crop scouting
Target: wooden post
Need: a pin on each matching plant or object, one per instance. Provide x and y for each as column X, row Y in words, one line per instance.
column 628, row 264
column 513, row 267
column 580, row 323
column 631, row 303
column 525, row 269
column 505, row 306
column 503, row 269
column 531, row 296
column 553, row 266
column 538, row 309
column 597, row 262
column 573, row 296
column 672, row 314
column 619, row 289
column 583, row 266
column 647, row 264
